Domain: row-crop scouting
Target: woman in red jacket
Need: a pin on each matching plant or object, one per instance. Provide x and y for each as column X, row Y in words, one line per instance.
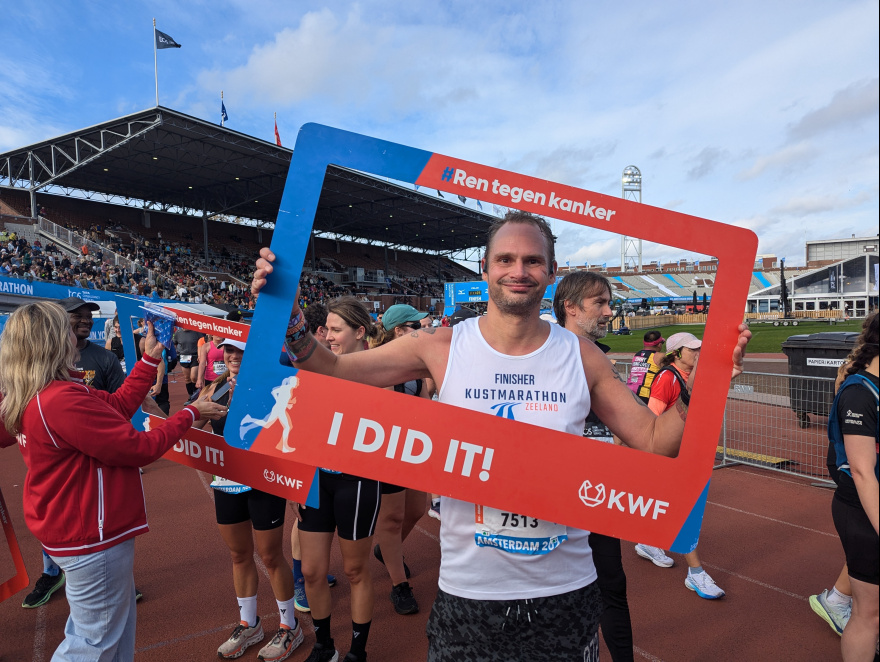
column 83, row 498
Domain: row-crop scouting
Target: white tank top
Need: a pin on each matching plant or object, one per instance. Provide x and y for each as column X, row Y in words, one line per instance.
column 546, row 388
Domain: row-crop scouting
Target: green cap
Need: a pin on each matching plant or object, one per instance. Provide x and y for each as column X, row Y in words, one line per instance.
column 400, row 313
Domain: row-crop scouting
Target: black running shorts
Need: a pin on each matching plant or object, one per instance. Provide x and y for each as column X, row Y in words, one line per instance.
column 265, row 511
column 559, row 627
column 860, row 542
column 388, row 488
column 349, row 506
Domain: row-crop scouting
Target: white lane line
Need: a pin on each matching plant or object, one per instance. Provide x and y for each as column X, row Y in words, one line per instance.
column 771, row 519
column 427, row 533
column 759, row 474
column 646, row 654
column 40, row 635
column 755, row 581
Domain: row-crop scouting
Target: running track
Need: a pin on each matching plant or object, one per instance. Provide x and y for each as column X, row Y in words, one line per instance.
column 768, row 540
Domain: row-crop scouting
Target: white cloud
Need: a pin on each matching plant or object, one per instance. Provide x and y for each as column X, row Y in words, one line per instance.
column 787, row 158
column 848, row 107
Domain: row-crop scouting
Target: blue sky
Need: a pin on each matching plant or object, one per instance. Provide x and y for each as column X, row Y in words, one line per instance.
column 763, row 115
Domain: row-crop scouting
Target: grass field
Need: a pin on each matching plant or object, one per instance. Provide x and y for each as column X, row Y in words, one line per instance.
column 766, row 338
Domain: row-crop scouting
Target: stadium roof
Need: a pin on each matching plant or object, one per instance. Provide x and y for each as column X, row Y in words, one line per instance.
column 163, row 159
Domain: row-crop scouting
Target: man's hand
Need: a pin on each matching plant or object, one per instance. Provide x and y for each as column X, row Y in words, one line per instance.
column 152, row 347
column 739, row 352
column 264, row 268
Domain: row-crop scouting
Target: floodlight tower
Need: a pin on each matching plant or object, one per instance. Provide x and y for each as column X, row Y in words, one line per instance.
column 630, row 248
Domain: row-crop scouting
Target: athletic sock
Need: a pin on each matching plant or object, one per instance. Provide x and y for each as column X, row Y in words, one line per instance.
column 322, row 631
column 695, row 571
column 190, row 388
column 837, row 599
column 297, row 570
column 49, row 566
column 359, row 634
column 247, row 610
column 286, row 610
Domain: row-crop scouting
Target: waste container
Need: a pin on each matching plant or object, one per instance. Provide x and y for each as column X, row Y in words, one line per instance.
column 815, row 355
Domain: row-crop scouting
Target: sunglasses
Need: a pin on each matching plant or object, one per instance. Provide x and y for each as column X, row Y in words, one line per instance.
column 414, row 325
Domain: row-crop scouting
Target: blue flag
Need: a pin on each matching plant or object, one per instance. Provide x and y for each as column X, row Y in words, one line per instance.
column 223, row 116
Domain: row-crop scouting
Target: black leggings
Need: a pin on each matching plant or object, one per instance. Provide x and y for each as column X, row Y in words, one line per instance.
column 615, row 621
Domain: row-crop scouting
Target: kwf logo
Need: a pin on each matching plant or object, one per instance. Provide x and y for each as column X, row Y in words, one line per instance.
column 594, row 495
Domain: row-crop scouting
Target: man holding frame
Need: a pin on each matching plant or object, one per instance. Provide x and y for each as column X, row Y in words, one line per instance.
column 511, row 587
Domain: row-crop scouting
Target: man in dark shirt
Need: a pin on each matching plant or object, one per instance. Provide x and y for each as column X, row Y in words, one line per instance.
column 583, row 306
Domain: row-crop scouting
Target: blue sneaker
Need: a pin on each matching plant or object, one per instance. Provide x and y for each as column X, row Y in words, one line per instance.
column 300, row 601
column 331, row 580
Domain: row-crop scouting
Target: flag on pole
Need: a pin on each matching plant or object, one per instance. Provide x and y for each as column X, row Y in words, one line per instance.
column 479, row 206
column 462, row 199
column 165, row 41
column 277, row 135
column 440, row 194
column 223, row 116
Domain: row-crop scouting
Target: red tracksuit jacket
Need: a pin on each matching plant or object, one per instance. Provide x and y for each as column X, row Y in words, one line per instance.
column 83, row 490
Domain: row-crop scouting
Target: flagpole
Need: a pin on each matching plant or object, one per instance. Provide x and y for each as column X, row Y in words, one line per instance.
column 155, row 63
column 221, row 107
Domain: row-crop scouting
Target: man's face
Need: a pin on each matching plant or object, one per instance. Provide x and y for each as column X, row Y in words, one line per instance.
column 517, row 269
column 81, row 322
column 590, row 318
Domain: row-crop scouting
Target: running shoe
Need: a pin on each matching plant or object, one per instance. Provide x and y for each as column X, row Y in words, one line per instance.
column 331, row 580
column 434, row 511
column 320, row 653
column 241, row 638
column 282, row 645
column 44, row 588
column 403, row 600
column 836, row 617
column 300, row 601
column 704, row 585
column 138, row 594
column 655, row 555
column 378, row 554
column 351, row 657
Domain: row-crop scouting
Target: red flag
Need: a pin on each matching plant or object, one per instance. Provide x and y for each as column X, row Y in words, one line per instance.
column 277, row 135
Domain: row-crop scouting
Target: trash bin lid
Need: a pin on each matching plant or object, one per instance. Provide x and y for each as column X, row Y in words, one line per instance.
column 824, row 340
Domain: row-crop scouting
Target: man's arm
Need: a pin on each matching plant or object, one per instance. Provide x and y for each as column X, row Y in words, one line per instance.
column 414, row 356
column 629, row 420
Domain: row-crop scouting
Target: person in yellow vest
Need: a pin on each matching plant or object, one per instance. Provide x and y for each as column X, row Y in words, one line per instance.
column 645, row 365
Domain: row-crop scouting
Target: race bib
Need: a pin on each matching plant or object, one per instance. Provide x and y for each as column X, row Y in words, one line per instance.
column 219, row 367
column 229, row 486
column 515, row 533
column 186, row 358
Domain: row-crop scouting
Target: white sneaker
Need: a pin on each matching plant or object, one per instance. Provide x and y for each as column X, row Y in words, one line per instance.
column 704, row 585
column 241, row 638
column 655, row 555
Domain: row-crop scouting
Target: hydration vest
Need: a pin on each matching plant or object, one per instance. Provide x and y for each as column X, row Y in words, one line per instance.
column 642, row 373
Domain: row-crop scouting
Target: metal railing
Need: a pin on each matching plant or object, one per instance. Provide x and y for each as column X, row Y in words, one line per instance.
column 778, row 422
column 74, row 240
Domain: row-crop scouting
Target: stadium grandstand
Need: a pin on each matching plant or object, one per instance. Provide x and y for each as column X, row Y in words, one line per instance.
column 160, row 203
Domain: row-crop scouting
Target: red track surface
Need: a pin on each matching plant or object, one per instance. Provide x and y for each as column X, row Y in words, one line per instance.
column 768, row 540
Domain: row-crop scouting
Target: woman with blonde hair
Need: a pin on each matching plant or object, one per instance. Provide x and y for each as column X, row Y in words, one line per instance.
column 83, row 498
column 348, row 506
column 401, row 507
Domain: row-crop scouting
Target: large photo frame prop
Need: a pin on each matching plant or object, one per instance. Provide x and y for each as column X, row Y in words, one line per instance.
column 10, row 585
column 479, row 458
column 208, row 452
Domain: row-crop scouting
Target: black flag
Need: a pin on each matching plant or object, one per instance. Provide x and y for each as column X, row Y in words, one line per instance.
column 164, row 41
